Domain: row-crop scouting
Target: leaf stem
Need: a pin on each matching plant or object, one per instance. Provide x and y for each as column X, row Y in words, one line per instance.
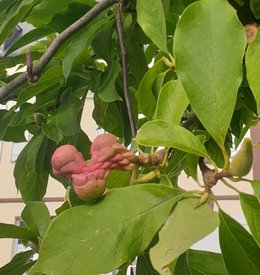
column 124, row 64
column 230, row 186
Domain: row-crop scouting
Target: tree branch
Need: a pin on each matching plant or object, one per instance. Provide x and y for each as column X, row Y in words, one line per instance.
column 54, row 46
column 124, row 65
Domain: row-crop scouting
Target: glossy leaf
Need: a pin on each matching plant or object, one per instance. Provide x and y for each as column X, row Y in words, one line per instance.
column 184, row 227
column 107, row 90
column 146, row 97
column 233, row 237
column 150, row 16
column 172, row 102
column 99, row 245
column 16, row 232
column 36, row 217
column 253, row 68
column 201, row 263
column 19, row 264
column 30, row 176
column 251, row 209
column 210, row 69
column 162, row 133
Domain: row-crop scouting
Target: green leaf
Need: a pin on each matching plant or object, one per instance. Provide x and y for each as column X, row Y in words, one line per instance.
column 251, row 209
column 29, row 37
column 36, row 217
column 144, row 266
column 82, row 239
column 146, row 97
column 66, row 118
column 108, row 116
column 19, row 264
column 15, row 15
column 46, row 10
column 151, row 18
column 107, row 90
column 183, row 228
column 255, row 8
column 256, row 186
column 81, row 41
column 233, row 237
column 253, row 68
column 30, row 175
column 118, row 178
column 6, row 117
column 48, row 79
column 201, row 263
column 210, row 69
column 240, row 2
column 172, row 102
column 51, row 130
column 162, row 133
column 16, row 232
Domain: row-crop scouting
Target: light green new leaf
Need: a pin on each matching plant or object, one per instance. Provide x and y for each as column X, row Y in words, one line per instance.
column 163, row 133
column 100, row 237
column 183, row 228
column 234, row 238
column 151, row 18
column 19, row 264
column 256, row 186
column 172, row 102
column 251, row 209
column 107, row 90
column 253, row 69
column 210, row 69
column 146, row 97
column 36, row 217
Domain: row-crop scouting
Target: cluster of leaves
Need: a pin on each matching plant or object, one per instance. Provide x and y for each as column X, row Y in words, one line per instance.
column 196, row 83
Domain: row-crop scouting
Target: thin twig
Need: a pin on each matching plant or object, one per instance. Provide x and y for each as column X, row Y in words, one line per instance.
column 124, row 67
column 29, row 69
column 230, row 186
column 54, row 46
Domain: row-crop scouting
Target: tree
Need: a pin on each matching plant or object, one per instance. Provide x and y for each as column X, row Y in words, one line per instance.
column 180, row 75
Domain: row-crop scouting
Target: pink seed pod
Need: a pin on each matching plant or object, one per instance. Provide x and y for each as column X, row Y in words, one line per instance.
column 66, row 160
column 88, row 190
column 102, row 141
column 103, row 154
